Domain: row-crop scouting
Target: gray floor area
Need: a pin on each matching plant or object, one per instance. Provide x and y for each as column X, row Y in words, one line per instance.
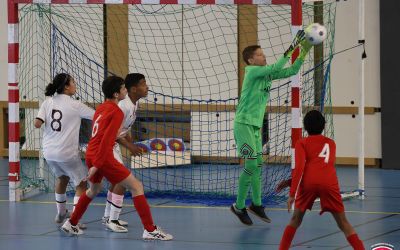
column 29, row 224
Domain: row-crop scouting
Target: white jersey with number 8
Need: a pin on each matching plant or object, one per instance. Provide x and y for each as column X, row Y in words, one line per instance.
column 62, row 116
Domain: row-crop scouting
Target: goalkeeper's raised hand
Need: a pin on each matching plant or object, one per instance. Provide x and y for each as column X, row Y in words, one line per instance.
column 298, row 39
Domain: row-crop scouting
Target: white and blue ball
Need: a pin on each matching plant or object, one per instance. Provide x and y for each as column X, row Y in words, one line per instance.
column 315, row 33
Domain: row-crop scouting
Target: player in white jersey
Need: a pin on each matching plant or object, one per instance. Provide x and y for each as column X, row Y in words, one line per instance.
column 137, row 88
column 62, row 116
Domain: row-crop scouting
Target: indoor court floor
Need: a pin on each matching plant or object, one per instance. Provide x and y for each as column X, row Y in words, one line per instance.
column 29, row 224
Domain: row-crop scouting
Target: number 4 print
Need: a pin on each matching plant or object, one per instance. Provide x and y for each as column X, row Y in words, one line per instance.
column 325, row 153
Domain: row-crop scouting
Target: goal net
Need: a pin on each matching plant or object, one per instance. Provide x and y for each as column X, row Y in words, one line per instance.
column 190, row 55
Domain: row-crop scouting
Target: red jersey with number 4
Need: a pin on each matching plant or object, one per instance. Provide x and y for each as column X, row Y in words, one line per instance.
column 107, row 121
column 314, row 164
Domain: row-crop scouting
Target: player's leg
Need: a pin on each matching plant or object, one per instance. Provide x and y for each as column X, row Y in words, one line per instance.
column 256, row 206
column 107, row 210
column 61, row 198
column 117, row 197
column 151, row 231
column 331, row 201
column 71, row 226
column 61, row 183
column 290, row 229
column 348, row 231
column 246, row 146
column 80, row 189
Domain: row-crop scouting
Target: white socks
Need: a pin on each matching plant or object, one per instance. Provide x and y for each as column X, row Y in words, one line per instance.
column 116, row 206
column 61, row 200
column 76, row 199
column 108, row 204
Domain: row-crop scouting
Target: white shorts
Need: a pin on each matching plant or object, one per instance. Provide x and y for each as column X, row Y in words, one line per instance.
column 74, row 169
column 117, row 153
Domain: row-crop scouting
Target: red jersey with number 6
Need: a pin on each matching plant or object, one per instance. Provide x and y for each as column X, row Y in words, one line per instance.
column 314, row 164
column 107, row 121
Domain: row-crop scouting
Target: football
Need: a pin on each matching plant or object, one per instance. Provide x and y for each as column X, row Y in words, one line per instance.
column 315, row 33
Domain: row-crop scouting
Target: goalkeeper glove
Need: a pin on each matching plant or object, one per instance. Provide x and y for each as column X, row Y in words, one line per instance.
column 298, row 39
column 305, row 48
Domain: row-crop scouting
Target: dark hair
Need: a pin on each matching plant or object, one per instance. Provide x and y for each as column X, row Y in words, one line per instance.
column 133, row 79
column 248, row 52
column 58, row 84
column 314, row 122
column 111, row 85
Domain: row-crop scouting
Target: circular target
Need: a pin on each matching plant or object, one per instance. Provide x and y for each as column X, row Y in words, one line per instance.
column 176, row 145
column 158, row 145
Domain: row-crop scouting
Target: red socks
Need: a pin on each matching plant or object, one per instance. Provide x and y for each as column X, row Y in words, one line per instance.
column 80, row 209
column 287, row 237
column 143, row 210
column 355, row 242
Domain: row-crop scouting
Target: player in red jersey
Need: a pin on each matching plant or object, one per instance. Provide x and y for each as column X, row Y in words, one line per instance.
column 315, row 176
column 101, row 163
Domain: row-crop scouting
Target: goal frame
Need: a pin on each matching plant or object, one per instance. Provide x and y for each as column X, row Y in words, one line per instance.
column 15, row 192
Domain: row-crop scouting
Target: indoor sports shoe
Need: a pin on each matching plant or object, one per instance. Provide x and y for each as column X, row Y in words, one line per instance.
column 113, row 225
column 259, row 212
column 68, row 228
column 60, row 218
column 121, row 222
column 241, row 214
column 157, row 234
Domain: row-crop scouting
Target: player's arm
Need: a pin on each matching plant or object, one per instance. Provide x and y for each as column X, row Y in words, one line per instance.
column 110, row 134
column 41, row 116
column 295, row 67
column 283, row 185
column 263, row 71
column 126, row 141
column 85, row 112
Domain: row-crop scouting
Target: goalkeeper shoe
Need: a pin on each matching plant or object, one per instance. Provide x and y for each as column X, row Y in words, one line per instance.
column 157, row 234
column 242, row 215
column 259, row 212
column 70, row 229
column 113, row 225
column 121, row 222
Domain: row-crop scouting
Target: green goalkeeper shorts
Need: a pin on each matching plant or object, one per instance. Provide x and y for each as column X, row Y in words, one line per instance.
column 248, row 140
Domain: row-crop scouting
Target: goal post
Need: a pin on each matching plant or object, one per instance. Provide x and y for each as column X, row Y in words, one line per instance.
column 189, row 52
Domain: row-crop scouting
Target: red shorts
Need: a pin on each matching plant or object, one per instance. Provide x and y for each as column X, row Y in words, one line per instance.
column 330, row 198
column 114, row 172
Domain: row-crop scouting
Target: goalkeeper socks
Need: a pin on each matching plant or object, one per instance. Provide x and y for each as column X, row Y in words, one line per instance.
column 116, row 206
column 143, row 209
column 256, row 187
column 245, row 179
column 244, row 184
column 61, row 200
column 287, row 237
column 80, row 209
column 108, row 204
column 355, row 242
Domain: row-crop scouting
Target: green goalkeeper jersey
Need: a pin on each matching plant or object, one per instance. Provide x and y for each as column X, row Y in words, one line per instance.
column 256, row 88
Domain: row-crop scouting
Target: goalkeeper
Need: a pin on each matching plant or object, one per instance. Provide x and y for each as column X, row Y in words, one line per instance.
column 249, row 119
